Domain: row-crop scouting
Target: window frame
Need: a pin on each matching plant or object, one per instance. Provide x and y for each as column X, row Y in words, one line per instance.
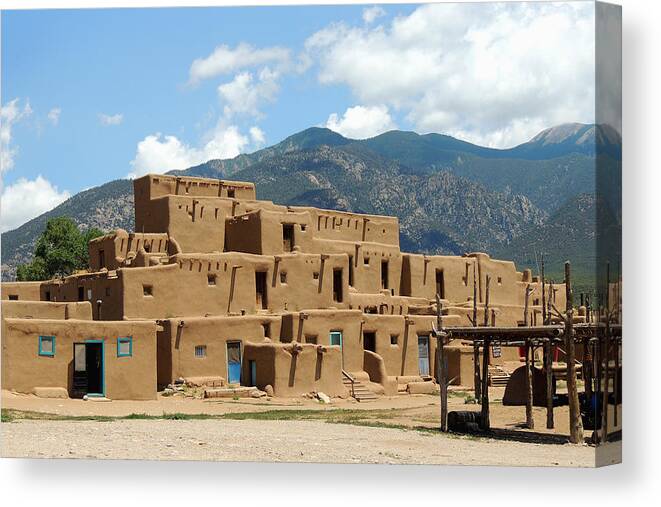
column 201, row 347
column 125, row 339
column 45, row 353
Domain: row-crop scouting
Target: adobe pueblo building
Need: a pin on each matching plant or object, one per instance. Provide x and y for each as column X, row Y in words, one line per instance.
column 222, row 289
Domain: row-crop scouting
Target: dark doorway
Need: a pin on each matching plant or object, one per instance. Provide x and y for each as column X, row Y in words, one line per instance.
column 287, row 237
column 260, row 290
column 88, row 369
column 423, row 355
column 369, row 341
column 102, row 259
column 384, row 274
column 440, row 283
column 81, row 293
column 351, row 270
column 337, row 285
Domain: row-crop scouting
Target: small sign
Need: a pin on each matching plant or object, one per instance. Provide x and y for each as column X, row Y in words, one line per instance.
column 495, row 351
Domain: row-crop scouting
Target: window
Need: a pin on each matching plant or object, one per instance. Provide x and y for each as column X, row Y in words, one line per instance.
column 394, row 338
column 147, row 290
column 107, row 291
column 200, row 351
column 315, row 275
column 267, row 329
column 47, row 346
column 500, row 280
column 283, row 277
column 102, row 258
column 13, row 297
column 440, row 283
column 231, row 193
column 366, row 261
column 211, row 279
column 311, row 338
column 125, row 346
column 287, row 237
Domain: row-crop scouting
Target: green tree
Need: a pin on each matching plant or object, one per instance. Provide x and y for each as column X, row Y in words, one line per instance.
column 61, row 249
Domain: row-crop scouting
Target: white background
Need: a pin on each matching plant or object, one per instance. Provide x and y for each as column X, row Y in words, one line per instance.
column 637, row 481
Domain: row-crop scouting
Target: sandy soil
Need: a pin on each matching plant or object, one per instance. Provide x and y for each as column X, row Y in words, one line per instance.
column 272, row 441
column 292, row 440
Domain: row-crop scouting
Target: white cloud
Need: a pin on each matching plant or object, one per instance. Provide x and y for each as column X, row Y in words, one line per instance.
column 159, row 153
column 245, row 94
column 111, row 119
column 492, row 72
column 257, row 136
column 360, row 122
column 26, row 199
column 226, row 60
column 10, row 114
column 54, row 115
column 370, row 14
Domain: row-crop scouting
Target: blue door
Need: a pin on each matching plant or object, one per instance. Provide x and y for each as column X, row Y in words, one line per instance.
column 234, row 362
column 423, row 355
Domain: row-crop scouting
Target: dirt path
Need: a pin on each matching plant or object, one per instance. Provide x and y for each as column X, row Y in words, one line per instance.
column 272, row 441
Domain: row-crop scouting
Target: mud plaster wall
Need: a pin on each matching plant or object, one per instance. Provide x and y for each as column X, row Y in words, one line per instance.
column 21, row 291
column 226, row 283
column 296, row 369
column 131, row 377
column 112, row 250
column 46, row 310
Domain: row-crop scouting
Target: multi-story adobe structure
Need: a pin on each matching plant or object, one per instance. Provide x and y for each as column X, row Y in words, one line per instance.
column 227, row 289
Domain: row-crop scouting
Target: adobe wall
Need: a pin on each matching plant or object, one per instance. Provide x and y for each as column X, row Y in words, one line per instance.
column 103, row 291
column 20, row 291
column 119, row 248
column 296, row 369
column 46, row 310
column 220, row 284
column 131, row 377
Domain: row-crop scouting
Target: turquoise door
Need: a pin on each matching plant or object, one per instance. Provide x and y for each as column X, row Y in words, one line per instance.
column 234, row 362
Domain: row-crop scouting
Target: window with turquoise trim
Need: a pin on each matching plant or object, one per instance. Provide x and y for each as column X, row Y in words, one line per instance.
column 47, row 346
column 125, row 346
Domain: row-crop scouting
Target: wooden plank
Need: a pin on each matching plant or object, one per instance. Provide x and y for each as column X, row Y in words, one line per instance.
column 604, row 395
column 575, row 423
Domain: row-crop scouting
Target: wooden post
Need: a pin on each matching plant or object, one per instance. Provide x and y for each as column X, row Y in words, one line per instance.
column 575, row 423
column 530, row 422
column 587, row 369
column 548, row 354
column 616, row 381
column 604, row 393
column 474, row 297
column 543, row 295
column 526, row 304
column 486, row 303
column 484, row 419
column 476, row 372
column 442, row 380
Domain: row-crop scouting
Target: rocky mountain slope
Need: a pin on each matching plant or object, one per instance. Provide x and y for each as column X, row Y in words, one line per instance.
column 450, row 196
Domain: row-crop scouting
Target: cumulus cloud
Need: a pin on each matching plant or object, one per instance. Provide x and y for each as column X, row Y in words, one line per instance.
column 257, row 136
column 111, row 119
column 159, row 153
column 26, row 199
column 370, row 14
column 492, row 73
column 360, row 122
column 246, row 93
column 226, row 60
column 54, row 115
column 10, row 114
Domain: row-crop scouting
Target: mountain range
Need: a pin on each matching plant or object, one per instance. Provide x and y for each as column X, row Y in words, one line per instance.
column 451, row 196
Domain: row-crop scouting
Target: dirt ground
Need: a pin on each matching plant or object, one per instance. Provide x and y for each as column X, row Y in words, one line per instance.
column 316, row 440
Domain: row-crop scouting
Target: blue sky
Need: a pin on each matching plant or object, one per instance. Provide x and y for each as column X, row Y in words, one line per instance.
column 93, row 95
